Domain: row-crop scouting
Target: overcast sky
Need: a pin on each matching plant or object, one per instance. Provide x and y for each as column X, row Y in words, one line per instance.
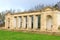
column 23, row 4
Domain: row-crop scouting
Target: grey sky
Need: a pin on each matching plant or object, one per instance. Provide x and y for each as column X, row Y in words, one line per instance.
column 23, row 4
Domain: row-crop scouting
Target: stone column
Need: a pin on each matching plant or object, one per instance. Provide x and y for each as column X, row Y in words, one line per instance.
column 28, row 22
column 22, row 22
column 35, row 26
column 25, row 22
column 23, row 25
column 18, row 22
column 15, row 22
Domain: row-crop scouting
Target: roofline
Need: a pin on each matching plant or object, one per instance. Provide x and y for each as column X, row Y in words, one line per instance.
column 42, row 10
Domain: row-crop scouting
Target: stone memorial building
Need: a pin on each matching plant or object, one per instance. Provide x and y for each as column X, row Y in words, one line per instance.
column 46, row 20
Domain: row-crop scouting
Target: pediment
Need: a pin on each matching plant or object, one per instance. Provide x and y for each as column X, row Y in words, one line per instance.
column 48, row 9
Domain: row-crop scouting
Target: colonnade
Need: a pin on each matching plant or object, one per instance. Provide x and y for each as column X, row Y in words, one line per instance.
column 27, row 22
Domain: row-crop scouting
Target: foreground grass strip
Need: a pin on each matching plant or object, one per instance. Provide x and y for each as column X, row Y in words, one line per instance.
column 10, row 35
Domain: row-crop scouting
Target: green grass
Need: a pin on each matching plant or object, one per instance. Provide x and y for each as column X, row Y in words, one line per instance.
column 9, row 35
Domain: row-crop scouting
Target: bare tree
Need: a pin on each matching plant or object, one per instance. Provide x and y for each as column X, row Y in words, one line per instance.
column 57, row 6
column 37, row 7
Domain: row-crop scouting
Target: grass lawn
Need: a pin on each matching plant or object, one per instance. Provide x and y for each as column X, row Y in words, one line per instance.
column 9, row 35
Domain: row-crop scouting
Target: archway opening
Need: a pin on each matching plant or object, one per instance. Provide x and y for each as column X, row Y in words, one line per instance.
column 49, row 23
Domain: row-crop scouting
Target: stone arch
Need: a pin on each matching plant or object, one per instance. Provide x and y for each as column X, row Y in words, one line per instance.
column 49, row 22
